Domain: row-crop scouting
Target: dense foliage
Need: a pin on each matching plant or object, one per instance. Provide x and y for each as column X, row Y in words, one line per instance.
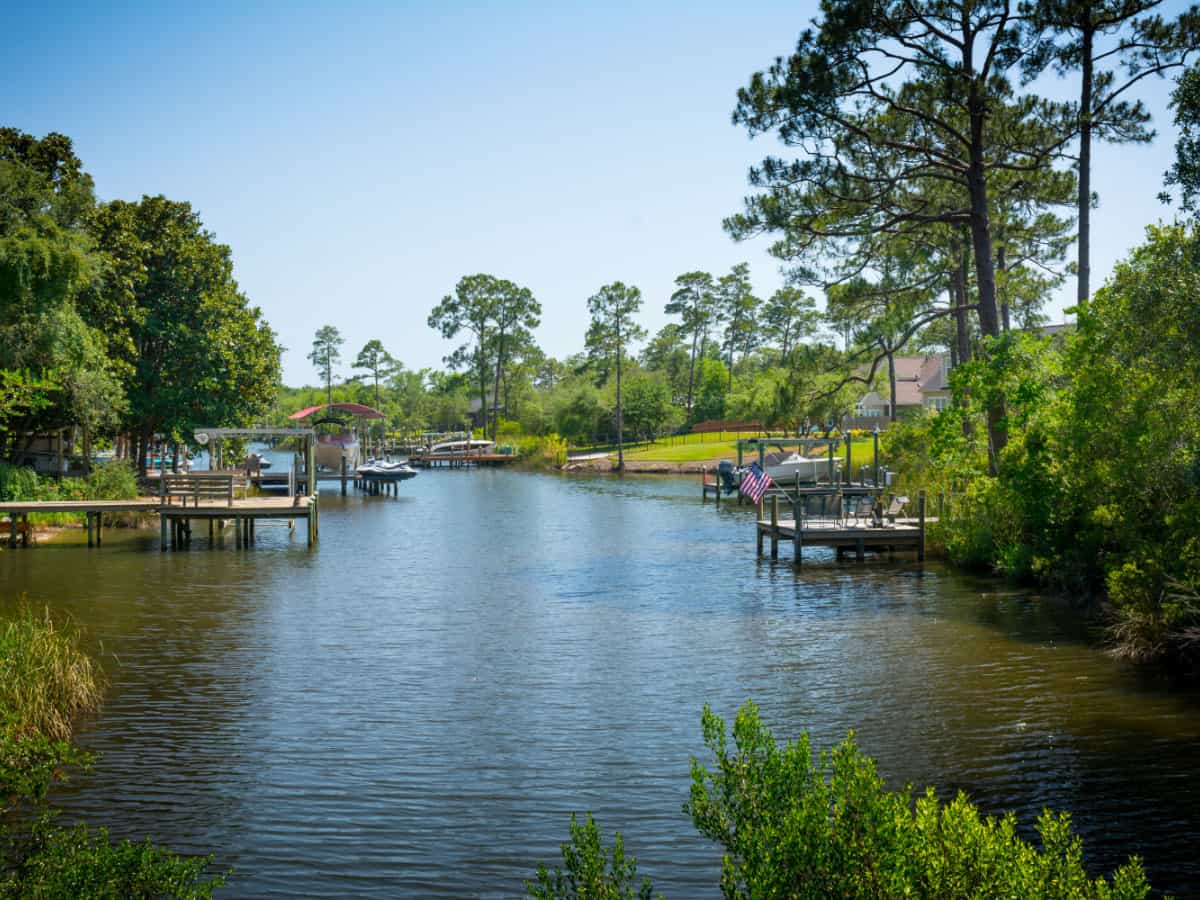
column 1099, row 488
column 45, row 682
column 797, row 825
column 116, row 318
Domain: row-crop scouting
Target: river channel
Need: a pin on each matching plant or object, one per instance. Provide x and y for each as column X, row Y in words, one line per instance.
column 416, row 706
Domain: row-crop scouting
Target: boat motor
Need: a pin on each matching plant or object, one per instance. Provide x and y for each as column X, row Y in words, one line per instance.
column 725, row 473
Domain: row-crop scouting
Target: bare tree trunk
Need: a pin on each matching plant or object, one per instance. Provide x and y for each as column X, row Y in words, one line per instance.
column 1002, row 267
column 496, row 386
column 1085, row 165
column 985, row 273
column 891, row 358
column 962, row 330
column 620, row 417
column 692, row 372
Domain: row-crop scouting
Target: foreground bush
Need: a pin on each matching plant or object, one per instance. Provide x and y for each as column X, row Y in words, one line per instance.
column 80, row 862
column 45, row 682
column 794, row 826
column 589, row 873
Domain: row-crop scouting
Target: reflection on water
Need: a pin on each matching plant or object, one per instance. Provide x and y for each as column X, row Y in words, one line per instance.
column 417, row 706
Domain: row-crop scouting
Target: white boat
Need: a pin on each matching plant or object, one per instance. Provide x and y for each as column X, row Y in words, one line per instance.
column 784, row 468
column 331, row 449
column 463, row 446
column 382, row 470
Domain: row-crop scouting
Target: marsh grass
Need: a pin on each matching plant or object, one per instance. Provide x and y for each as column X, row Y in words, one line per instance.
column 45, row 679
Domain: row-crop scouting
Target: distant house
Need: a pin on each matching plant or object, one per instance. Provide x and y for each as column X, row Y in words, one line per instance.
column 922, row 382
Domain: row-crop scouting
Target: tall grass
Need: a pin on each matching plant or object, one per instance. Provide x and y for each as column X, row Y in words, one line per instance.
column 45, row 679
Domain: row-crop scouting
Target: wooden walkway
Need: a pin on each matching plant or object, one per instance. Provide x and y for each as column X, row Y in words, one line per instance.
column 460, row 460
column 175, row 519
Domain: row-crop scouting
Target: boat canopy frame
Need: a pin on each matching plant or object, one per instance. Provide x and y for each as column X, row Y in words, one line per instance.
column 307, row 438
column 834, row 441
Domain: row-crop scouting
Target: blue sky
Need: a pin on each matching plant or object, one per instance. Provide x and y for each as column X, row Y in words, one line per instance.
column 361, row 158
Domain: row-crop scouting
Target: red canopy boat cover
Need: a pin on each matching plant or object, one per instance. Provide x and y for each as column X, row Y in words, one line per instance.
column 355, row 409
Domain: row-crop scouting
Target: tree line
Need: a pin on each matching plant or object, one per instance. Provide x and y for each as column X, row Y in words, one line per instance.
column 120, row 317
column 725, row 354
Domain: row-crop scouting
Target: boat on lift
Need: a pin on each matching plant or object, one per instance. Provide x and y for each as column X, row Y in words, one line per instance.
column 339, row 444
column 784, row 468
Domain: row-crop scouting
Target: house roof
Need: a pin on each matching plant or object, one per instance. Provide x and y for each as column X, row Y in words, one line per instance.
column 915, row 375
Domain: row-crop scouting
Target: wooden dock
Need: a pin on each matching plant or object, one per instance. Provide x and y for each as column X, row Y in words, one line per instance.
column 175, row 519
column 844, row 535
column 460, row 460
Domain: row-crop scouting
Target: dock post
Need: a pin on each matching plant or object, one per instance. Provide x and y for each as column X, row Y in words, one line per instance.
column 704, row 484
column 775, row 527
column 876, row 456
column 12, row 530
column 237, row 532
column 797, row 531
column 162, row 519
column 343, row 476
column 89, row 527
column 99, row 528
column 921, row 517
column 859, row 549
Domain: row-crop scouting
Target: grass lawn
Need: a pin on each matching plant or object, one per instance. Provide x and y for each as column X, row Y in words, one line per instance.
column 695, row 451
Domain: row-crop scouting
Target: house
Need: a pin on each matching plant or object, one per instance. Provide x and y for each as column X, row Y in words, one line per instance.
column 922, row 382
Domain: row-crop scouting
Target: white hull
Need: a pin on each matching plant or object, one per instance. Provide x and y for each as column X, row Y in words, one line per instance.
column 331, row 451
column 810, row 469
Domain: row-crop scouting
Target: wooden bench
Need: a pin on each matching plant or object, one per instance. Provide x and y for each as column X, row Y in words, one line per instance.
column 199, row 486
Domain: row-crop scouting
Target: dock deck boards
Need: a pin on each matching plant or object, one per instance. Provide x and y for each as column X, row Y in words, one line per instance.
column 175, row 518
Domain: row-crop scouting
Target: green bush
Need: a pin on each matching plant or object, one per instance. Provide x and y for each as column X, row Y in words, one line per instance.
column 798, row 827
column 45, row 681
column 51, row 861
column 590, row 873
column 114, row 480
column 18, row 483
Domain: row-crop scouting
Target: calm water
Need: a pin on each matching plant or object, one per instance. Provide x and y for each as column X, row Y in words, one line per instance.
column 416, row 707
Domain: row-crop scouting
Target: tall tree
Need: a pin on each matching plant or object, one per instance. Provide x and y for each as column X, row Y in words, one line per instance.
column 47, row 261
column 194, row 351
column 1072, row 38
column 612, row 330
column 789, row 317
column 499, row 314
column 885, row 100
column 1185, row 173
column 377, row 362
column 516, row 313
column 694, row 301
column 737, row 305
column 326, row 353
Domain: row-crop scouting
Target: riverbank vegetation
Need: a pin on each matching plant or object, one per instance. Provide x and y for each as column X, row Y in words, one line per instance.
column 46, row 683
column 795, row 824
column 118, row 318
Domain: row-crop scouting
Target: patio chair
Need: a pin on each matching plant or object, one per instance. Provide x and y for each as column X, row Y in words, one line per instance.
column 863, row 509
column 894, row 508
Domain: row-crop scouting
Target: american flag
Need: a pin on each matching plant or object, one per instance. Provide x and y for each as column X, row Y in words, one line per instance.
column 755, row 483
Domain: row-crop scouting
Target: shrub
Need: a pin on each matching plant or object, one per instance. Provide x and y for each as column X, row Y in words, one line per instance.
column 80, row 862
column 18, row 483
column 45, row 679
column 795, row 826
column 114, row 480
column 590, row 874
